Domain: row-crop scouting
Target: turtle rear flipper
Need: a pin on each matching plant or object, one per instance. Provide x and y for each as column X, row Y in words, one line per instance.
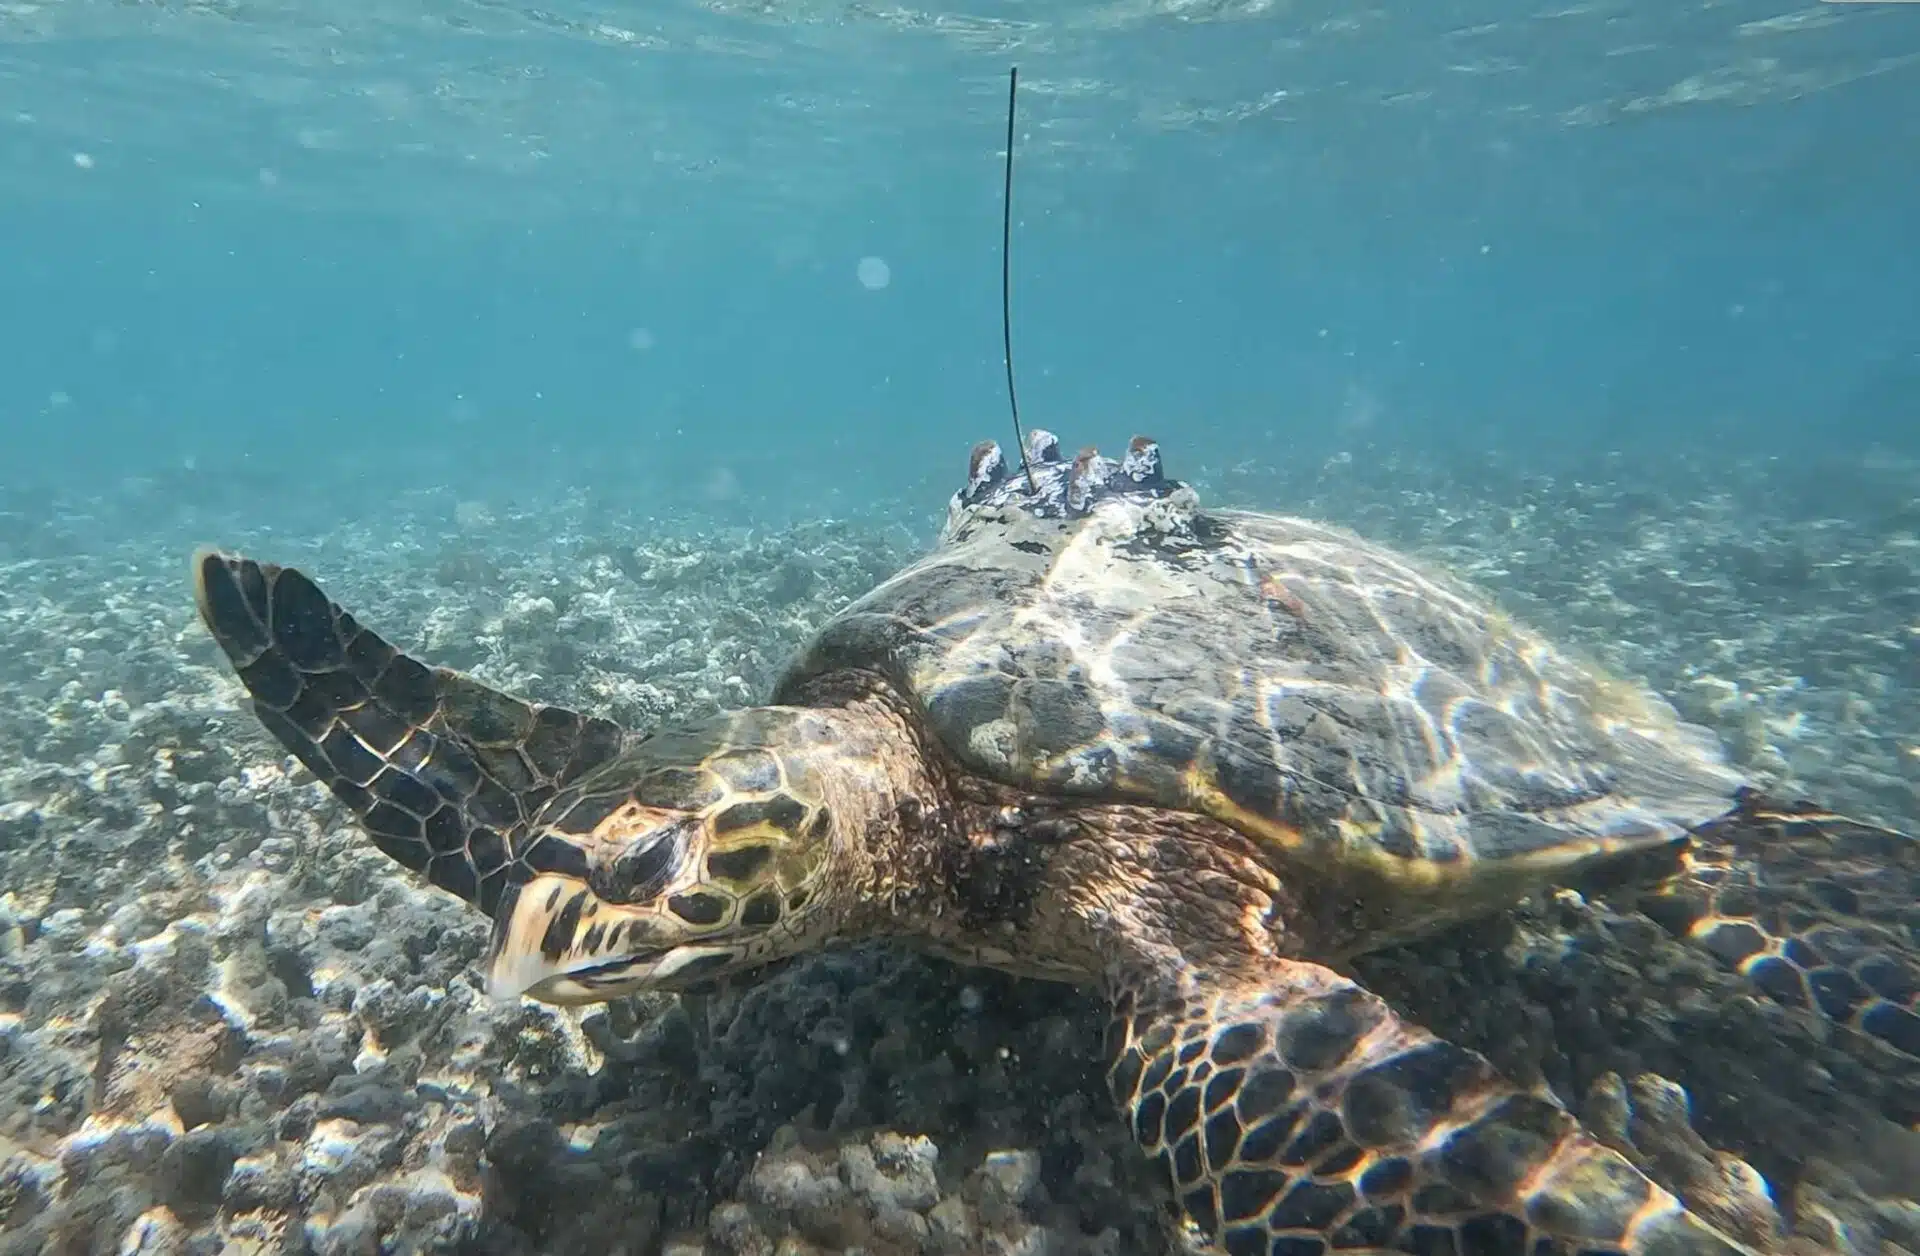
column 1814, row 908
column 1296, row 1114
column 443, row 772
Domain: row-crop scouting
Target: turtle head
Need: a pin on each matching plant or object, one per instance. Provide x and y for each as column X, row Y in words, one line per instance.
column 695, row 854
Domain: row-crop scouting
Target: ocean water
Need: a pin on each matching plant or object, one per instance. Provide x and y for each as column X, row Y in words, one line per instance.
column 608, row 351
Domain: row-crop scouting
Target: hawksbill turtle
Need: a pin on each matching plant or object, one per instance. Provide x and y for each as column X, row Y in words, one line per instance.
column 1193, row 758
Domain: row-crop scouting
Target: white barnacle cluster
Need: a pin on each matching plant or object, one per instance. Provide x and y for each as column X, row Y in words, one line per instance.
column 1173, row 514
column 1050, row 486
column 1088, row 477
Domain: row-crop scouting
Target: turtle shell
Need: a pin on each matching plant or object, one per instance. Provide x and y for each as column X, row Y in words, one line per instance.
column 1345, row 707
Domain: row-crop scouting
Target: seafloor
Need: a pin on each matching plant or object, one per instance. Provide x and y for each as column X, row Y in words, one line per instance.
column 228, row 1024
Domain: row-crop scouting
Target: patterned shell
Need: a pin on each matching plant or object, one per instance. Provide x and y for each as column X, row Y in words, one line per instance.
column 1320, row 693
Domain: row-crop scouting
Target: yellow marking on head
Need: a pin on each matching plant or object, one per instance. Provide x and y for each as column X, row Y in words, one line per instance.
column 632, row 819
column 794, row 871
column 761, row 833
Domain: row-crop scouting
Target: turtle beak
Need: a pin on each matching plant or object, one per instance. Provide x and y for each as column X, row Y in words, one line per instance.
column 557, row 941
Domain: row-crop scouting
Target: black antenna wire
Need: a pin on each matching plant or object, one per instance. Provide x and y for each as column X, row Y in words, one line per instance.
column 1006, row 279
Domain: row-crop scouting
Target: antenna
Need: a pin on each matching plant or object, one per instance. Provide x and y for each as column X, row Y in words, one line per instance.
column 1006, row 279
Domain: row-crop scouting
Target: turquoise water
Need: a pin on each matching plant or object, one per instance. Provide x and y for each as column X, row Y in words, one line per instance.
column 426, row 237
column 606, row 352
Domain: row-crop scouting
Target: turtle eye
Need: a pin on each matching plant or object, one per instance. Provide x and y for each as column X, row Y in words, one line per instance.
column 641, row 871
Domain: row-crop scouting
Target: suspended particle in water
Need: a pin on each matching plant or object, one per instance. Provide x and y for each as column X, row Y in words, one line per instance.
column 873, row 273
column 640, row 339
column 83, row 161
column 722, row 485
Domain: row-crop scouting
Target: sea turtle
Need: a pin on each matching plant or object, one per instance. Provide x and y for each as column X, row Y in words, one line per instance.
column 1193, row 758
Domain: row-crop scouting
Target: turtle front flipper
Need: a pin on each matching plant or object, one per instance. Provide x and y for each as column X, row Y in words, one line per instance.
column 443, row 772
column 1816, row 910
column 1296, row 1114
